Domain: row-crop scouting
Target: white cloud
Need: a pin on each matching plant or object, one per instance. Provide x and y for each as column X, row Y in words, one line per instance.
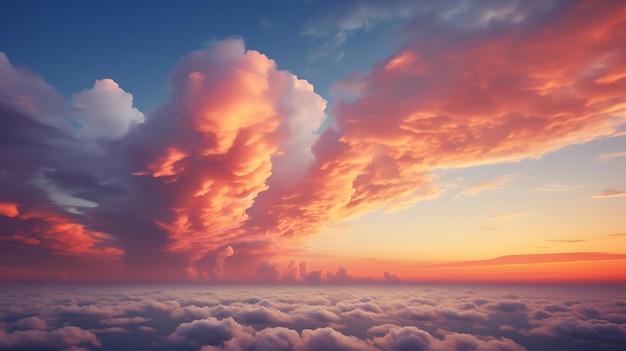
column 105, row 111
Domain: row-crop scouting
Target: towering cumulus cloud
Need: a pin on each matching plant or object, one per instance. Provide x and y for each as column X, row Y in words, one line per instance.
column 233, row 121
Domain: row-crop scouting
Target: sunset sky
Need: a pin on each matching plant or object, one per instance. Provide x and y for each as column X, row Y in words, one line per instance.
column 313, row 141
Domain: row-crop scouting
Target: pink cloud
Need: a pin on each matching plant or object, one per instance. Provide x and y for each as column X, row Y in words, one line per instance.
column 9, row 209
column 235, row 124
column 65, row 237
column 444, row 103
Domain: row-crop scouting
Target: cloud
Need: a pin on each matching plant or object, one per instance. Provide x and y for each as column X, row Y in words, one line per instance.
column 608, row 194
column 538, row 258
column 147, row 329
column 391, row 277
column 508, row 306
column 29, row 94
column 33, row 322
column 121, row 321
column 495, row 183
column 434, row 318
column 567, row 241
column 593, row 329
column 9, row 209
column 610, row 156
column 62, row 338
column 105, row 111
column 208, row 331
column 412, row 338
column 558, row 187
column 234, row 126
column 503, row 216
column 111, row 330
column 231, row 172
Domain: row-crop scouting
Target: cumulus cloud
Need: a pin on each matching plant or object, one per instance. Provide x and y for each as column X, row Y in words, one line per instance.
column 235, row 125
column 392, row 337
column 209, row 331
column 33, row 322
column 105, row 111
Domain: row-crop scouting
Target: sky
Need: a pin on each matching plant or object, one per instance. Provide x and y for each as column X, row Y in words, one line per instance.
column 313, row 141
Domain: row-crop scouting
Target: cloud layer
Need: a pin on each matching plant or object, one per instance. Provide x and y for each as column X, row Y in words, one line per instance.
column 433, row 318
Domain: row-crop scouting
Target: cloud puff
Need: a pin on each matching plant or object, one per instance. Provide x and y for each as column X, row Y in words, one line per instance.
column 33, row 322
column 9, row 209
column 208, row 331
column 398, row 338
column 234, row 125
column 105, row 111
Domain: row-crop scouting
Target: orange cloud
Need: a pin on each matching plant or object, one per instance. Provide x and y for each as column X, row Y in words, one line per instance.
column 608, row 194
column 65, row 237
column 235, row 124
column 447, row 103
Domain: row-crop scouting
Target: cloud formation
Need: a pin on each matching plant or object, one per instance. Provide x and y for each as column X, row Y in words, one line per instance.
column 232, row 172
column 427, row 317
column 105, row 111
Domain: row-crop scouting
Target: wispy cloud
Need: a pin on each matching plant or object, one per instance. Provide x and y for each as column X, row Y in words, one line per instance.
column 567, row 241
column 491, row 184
column 609, row 193
column 606, row 157
column 558, row 187
column 503, row 216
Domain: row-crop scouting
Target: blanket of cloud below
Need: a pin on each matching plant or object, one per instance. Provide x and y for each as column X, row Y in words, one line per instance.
column 306, row 318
